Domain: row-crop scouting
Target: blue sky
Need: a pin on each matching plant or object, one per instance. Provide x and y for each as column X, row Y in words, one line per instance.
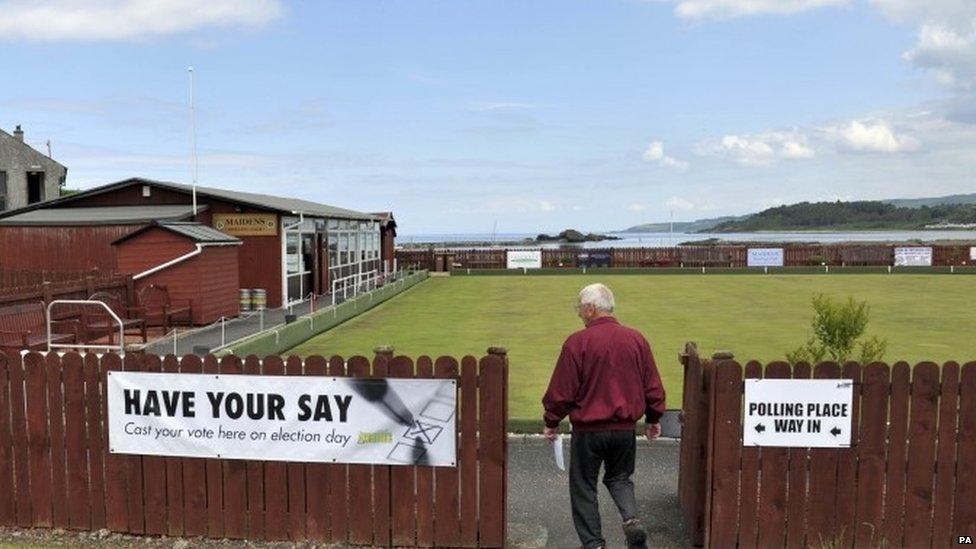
column 543, row 115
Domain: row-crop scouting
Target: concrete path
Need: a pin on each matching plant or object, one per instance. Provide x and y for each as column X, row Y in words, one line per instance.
column 538, row 505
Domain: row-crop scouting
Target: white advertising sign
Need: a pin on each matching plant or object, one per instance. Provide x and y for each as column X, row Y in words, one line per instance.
column 281, row 418
column 524, row 259
column 972, row 253
column 806, row 413
column 913, row 257
column 765, row 257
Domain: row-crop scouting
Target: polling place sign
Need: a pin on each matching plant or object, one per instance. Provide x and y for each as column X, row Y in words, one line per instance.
column 765, row 257
column 806, row 413
column 916, row 256
column 524, row 259
column 280, row 418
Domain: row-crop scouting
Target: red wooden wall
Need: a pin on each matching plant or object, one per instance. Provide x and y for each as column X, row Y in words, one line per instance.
column 69, row 248
column 209, row 279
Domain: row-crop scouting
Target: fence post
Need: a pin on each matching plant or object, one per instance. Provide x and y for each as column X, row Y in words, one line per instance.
column 385, row 352
column 89, row 285
column 493, row 456
column 130, row 291
column 46, row 292
column 720, row 445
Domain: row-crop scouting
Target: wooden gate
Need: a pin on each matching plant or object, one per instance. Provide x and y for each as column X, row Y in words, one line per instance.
column 908, row 479
column 56, row 470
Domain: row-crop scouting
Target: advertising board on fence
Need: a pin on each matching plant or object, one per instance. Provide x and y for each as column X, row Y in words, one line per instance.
column 765, row 257
column 972, row 253
column 913, row 257
column 593, row 260
column 524, row 259
column 805, row 413
column 280, row 418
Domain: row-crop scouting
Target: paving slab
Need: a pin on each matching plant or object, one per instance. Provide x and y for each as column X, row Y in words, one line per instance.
column 538, row 500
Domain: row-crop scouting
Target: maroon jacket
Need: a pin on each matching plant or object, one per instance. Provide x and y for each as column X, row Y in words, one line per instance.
column 605, row 380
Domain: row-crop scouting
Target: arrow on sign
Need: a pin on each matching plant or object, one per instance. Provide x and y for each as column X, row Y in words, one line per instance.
column 835, row 431
column 760, row 427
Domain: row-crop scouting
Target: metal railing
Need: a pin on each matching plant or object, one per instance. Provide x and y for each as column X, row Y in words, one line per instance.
column 84, row 302
column 362, row 279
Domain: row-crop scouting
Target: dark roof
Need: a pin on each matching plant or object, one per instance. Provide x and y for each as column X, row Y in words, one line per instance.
column 386, row 220
column 32, row 149
column 120, row 215
column 197, row 232
column 262, row 201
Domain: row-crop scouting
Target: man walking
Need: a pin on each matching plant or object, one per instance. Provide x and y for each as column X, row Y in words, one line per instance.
column 605, row 380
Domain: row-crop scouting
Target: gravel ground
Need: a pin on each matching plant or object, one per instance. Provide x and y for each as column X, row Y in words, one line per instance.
column 42, row 538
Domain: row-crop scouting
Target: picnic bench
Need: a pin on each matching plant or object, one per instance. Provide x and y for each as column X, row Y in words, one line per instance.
column 24, row 327
column 159, row 309
column 96, row 322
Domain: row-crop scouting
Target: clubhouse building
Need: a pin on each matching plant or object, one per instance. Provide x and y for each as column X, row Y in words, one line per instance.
column 289, row 247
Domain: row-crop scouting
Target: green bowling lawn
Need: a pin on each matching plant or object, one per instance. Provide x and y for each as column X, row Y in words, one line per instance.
column 924, row 317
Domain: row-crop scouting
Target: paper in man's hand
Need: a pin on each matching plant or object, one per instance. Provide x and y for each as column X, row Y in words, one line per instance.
column 557, row 448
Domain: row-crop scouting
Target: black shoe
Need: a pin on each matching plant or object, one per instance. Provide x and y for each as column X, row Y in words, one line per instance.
column 635, row 534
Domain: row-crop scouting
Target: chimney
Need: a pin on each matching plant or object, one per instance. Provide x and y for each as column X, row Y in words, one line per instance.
column 19, row 133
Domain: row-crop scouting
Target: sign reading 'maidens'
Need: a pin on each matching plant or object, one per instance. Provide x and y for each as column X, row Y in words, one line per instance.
column 246, row 224
column 282, row 418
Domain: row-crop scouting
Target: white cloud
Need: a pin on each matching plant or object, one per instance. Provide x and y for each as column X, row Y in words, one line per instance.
column 680, row 204
column 699, row 9
column 104, row 20
column 875, row 136
column 946, row 42
column 547, row 206
column 763, row 149
column 655, row 154
column 637, row 208
column 949, row 53
column 913, row 11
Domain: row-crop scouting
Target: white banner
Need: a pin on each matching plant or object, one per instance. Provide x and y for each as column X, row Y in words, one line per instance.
column 913, row 257
column 972, row 253
column 283, row 418
column 765, row 257
column 524, row 259
column 804, row 413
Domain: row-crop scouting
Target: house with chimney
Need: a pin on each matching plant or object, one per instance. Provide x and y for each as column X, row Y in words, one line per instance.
column 27, row 176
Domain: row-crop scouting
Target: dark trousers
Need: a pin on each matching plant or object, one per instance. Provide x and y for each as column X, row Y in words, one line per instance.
column 615, row 450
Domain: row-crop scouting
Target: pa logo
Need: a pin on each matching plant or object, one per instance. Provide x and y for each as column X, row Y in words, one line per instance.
column 964, row 540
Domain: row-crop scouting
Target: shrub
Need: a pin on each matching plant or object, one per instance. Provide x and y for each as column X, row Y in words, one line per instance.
column 838, row 328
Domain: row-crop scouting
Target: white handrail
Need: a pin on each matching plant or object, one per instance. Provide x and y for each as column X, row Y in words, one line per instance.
column 363, row 277
column 120, row 346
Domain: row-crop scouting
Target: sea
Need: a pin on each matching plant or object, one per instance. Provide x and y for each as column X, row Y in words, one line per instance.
column 665, row 240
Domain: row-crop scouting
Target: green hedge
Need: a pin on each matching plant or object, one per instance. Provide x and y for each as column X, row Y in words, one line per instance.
column 281, row 338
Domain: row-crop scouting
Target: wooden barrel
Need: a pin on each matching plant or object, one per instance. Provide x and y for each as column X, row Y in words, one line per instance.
column 259, row 299
column 245, row 300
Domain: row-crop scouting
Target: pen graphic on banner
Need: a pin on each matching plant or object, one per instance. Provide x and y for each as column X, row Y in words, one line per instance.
column 378, row 391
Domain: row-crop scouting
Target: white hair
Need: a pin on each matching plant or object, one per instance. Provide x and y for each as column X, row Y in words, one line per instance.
column 597, row 295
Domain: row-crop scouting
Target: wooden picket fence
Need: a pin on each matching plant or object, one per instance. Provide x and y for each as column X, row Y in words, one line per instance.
column 730, row 256
column 56, row 470
column 908, row 479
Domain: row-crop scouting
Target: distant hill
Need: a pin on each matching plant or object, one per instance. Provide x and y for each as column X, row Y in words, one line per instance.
column 838, row 218
column 851, row 216
column 700, row 225
column 938, row 201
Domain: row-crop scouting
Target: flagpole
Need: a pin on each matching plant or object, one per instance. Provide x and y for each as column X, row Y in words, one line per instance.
column 193, row 137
